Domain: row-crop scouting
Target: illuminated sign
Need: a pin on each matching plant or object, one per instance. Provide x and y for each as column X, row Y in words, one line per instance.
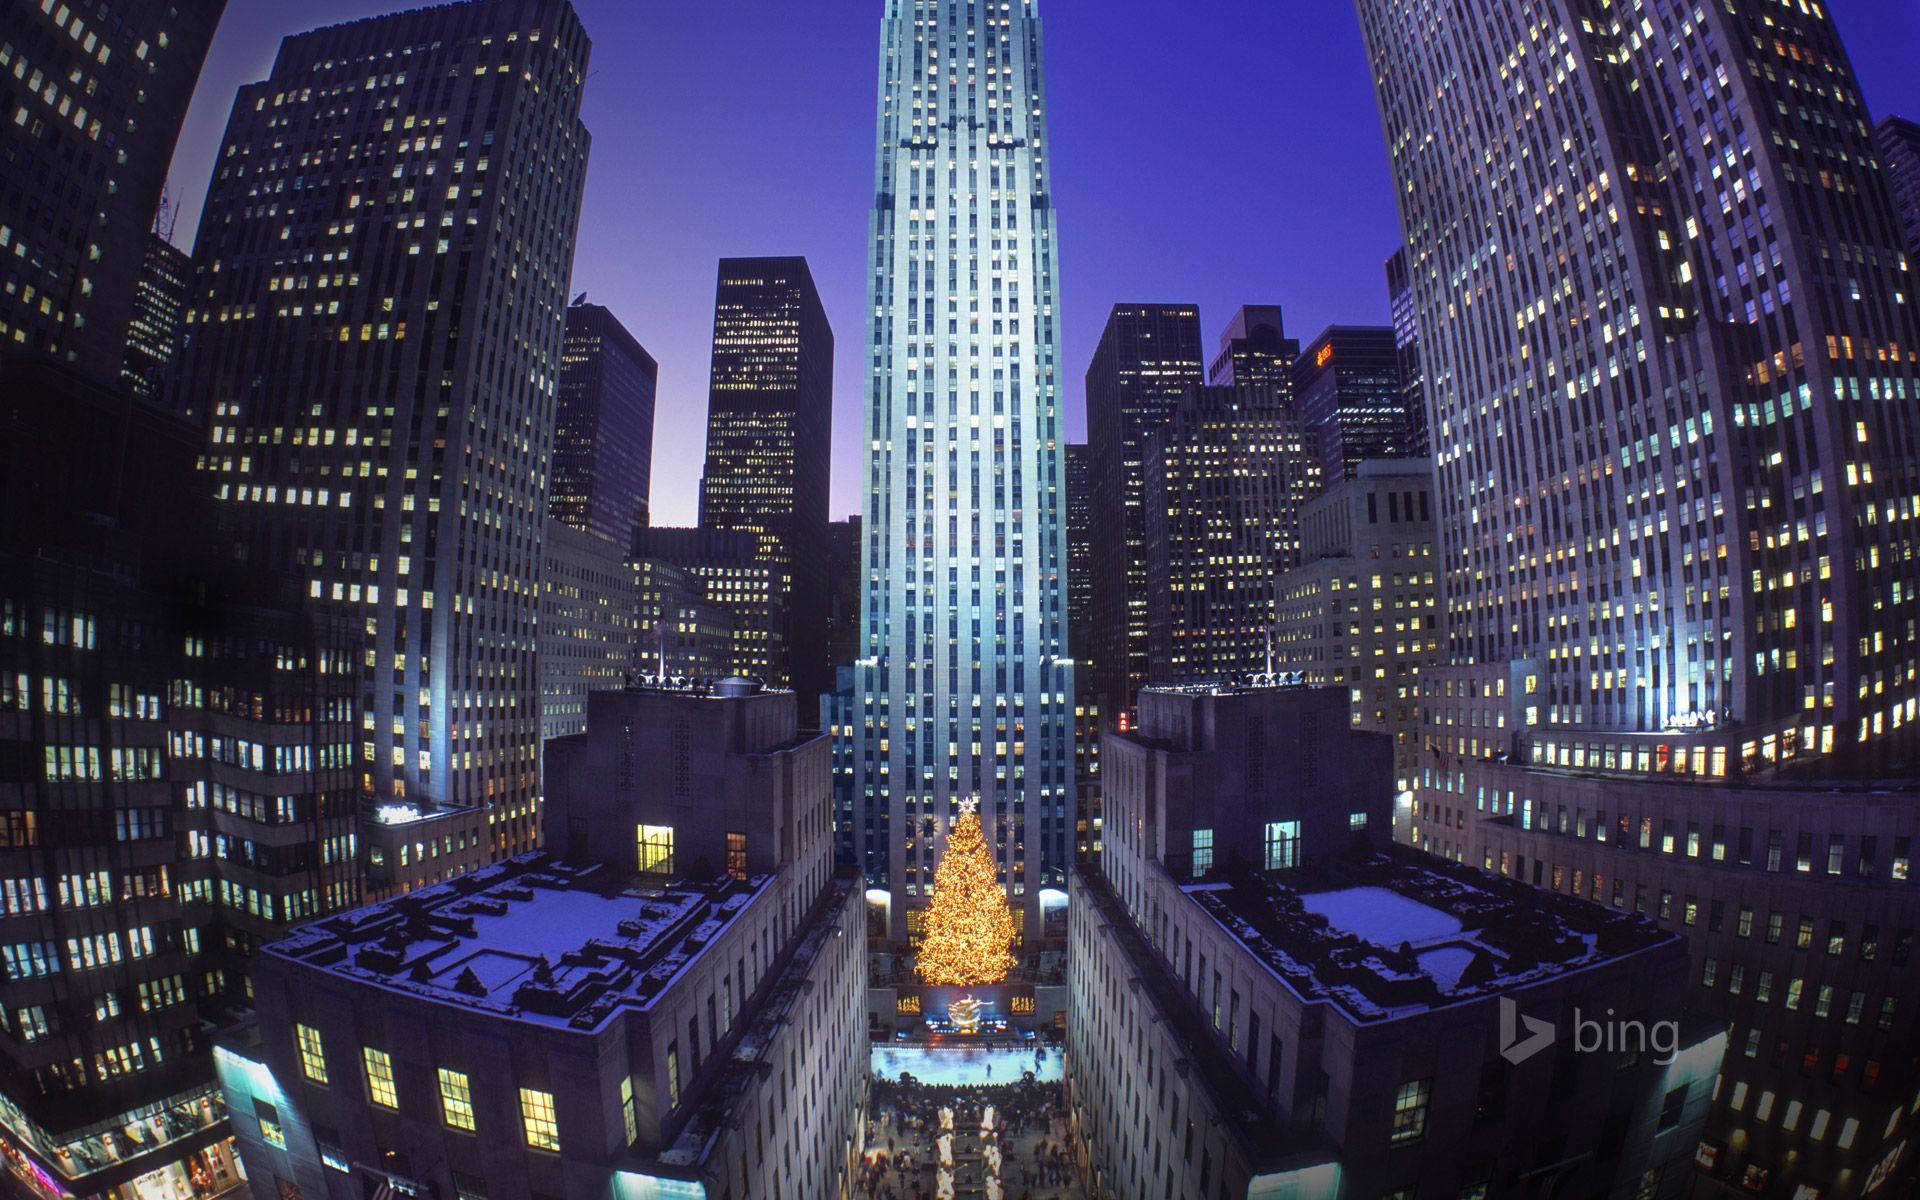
column 1325, row 356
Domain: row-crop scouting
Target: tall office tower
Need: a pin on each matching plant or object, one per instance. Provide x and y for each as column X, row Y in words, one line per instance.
column 965, row 683
column 1147, row 360
column 1078, row 464
column 380, row 360
column 1264, row 1002
column 666, row 1004
column 603, row 426
column 1675, row 438
column 93, row 97
column 589, row 606
column 1361, row 611
column 677, row 629
column 1227, row 474
column 182, row 786
column 734, row 572
column 159, row 312
column 1347, row 387
column 843, row 591
column 1255, row 348
column 769, row 439
column 1899, row 143
column 1406, row 344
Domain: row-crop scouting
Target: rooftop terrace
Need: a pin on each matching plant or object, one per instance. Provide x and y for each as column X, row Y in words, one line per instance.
column 531, row 938
column 1384, row 937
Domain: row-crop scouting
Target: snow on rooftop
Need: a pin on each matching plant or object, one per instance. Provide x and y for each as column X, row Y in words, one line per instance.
column 1380, row 915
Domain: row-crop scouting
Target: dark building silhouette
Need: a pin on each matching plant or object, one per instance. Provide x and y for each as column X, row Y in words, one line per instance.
column 603, row 427
column 1227, row 473
column 1406, row 343
column 1255, row 348
column 1077, row 466
column 159, row 319
column 843, row 591
column 769, row 433
column 382, row 435
column 1347, row 387
column 1147, row 360
column 1899, row 143
column 92, row 96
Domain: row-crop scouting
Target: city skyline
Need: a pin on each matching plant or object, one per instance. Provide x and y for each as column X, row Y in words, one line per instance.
column 651, row 238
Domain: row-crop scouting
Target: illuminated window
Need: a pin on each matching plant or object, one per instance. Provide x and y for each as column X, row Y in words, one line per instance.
column 737, row 855
column 627, row 1111
column 1283, row 845
column 656, row 849
column 380, row 1087
column 269, row 1118
column 1410, row 1111
column 673, row 1075
column 313, row 1061
column 539, row 1119
column 1202, row 851
column 456, row 1100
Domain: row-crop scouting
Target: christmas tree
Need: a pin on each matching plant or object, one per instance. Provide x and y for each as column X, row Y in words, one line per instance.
column 969, row 936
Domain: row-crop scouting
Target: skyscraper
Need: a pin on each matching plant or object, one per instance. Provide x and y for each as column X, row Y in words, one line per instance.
column 965, row 685
column 843, row 591
column 1227, row 474
column 589, row 604
column 381, row 359
column 1078, row 466
column 603, row 427
column 769, row 435
column 159, row 311
column 1406, row 344
column 1147, row 360
column 93, row 96
column 1255, row 348
column 1899, row 143
column 1348, row 390
column 1675, row 443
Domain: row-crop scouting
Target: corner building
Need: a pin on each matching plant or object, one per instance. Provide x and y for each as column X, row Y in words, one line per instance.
column 1668, row 333
column 379, row 301
column 965, row 685
column 665, row 1004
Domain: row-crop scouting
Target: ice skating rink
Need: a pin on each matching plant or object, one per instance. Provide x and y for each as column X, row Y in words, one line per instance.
column 964, row 1066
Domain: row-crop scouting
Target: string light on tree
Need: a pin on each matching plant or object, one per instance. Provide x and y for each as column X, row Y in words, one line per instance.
column 969, row 938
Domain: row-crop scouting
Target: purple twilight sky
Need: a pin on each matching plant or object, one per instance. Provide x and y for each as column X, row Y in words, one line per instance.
column 1221, row 152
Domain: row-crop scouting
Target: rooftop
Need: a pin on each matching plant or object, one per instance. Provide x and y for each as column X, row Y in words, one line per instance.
column 531, row 938
column 1384, row 937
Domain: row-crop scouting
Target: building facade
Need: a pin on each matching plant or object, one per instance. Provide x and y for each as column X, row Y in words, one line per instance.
column 843, row 592
column 1348, row 388
column 677, row 630
column 769, row 441
column 1148, row 359
column 1265, row 1004
column 1362, row 610
column 1672, row 458
column 93, row 101
column 965, row 683
column 1406, row 344
column 672, row 1011
column 589, row 613
column 603, row 426
column 1898, row 140
column 159, row 318
column 735, row 574
column 1226, row 473
column 381, row 365
column 1255, row 348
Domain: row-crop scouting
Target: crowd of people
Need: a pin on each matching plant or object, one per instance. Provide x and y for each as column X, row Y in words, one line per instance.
column 905, row 1123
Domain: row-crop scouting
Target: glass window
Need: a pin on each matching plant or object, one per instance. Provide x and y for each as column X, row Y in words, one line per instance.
column 313, row 1059
column 656, row 849
column 456, row 1100
column 627, row 1111
column 737, row 855
column 1202, row 851
column 1410, row 1111
column 380, row 1088
column 1283, row 845
column 537, row 1116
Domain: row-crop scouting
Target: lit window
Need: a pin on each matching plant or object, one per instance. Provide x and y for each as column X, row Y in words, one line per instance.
column 1202, row 851
column 539, row 1119
column 1410, row 1111
column 313, row 1061
column 456, row 1100
column 627, row 1110
column 656, row 849
column 380, row 1087
column 1283, row 845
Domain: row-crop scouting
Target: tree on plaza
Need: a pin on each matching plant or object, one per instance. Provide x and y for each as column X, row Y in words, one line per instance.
column 969, row 931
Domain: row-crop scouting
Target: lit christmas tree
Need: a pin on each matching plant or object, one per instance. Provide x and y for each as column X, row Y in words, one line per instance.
column 969, row 936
